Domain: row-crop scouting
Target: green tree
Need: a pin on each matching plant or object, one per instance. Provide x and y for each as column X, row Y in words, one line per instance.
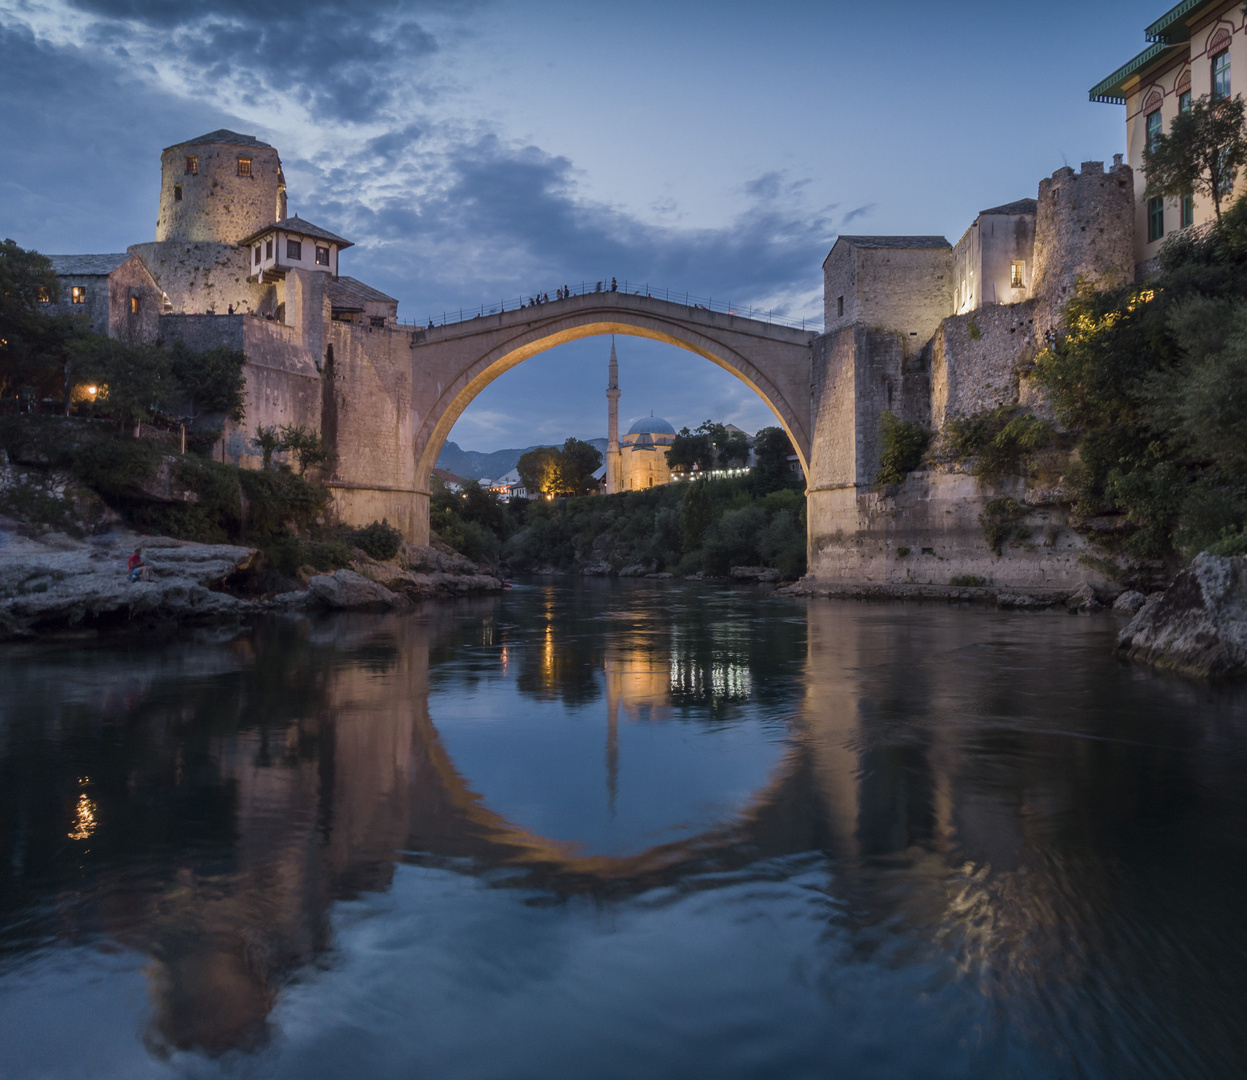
column 1202, row 153
column 577, row 462
column 539, row 470
column 137, row 381
column 308, row 447
column 211, row 382
column 904, row 444
column 771, row 449
column 691, row 450
column 38, row 350
column 267, row 441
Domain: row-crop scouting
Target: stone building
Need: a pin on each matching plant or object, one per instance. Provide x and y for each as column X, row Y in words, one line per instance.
column 992, row 261
column 1197, row 48
column 643, row 451
column 901, row 284
column 115, row 293
column 230, row 268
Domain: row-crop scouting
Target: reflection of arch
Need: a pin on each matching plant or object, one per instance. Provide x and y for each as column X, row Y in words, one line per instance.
column 463, row 359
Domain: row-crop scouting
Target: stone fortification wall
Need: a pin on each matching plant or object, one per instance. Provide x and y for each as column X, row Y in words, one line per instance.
column 216, row 204
column 282, row 383
column 898, row 289
column 856, row 375
column 928, row 533
column 367, row 415
column 202, row 277
column 1084, row 227
column 132, row 281
column 975, row 360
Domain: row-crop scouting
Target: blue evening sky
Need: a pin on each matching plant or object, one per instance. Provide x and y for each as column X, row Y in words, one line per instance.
column 478, row 150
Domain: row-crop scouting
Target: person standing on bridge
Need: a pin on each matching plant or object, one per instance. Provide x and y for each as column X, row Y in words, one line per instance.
column 614, row 285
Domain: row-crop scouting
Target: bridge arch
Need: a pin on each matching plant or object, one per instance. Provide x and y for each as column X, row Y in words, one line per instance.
column 457, row 362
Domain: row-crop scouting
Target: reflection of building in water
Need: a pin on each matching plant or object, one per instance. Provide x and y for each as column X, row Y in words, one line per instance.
column 719, row 679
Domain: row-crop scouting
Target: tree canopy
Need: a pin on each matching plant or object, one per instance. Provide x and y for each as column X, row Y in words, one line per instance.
column 567, row 471
column 1201, row 154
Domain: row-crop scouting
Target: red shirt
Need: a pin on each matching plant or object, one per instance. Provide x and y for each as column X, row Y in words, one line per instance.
column 134, row 560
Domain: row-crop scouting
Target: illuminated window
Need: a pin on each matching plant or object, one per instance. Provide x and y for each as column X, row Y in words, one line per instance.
column 192, row 164
column 1015, row 274
column 44, row 296
column 134, row 305
column 177, row 192
column 1154, row 128
column 244, row 166
column 1184, row 102
column 1155, row 218
column 78, row 294
column 322, row 256
column 1188, row 210
column 294, row 250
column 1221, row 75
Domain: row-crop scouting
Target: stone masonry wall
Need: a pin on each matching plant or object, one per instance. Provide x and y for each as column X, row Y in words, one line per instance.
column 199, row 277
column 131, row 281
column 973, row 374
column 905, row 291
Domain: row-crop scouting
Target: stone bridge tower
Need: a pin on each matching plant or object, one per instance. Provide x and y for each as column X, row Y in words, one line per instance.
column 219, row 188
column 614, row 458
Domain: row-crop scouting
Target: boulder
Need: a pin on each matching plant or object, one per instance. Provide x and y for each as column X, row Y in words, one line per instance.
column 1198, row 626
column 597, row 568
column 47, row 586
column 754, row 574
column 1083, row 600
column 346, row 590
column 1128, row 603
column 1021, row 602
column 636, row 570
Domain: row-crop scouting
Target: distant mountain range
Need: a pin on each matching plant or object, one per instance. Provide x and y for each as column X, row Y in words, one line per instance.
column 476, row 465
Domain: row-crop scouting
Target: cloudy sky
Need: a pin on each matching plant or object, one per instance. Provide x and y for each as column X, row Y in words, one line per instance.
column 485, row 150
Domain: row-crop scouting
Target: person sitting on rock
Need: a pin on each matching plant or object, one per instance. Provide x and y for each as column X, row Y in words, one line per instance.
column 139, row 570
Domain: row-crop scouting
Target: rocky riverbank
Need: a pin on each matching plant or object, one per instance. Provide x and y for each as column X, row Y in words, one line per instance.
column 54, row 583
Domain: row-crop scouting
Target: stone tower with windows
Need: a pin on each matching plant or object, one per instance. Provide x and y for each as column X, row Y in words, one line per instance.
column 219, row 188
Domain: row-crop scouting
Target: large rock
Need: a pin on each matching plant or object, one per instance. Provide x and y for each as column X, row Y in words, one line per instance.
column 1199, row 624
column 462, row 576
column 46, row 587
column 346, row 590
column 756, row 574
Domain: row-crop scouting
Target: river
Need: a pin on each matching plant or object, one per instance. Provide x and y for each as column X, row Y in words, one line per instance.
column 621, row 829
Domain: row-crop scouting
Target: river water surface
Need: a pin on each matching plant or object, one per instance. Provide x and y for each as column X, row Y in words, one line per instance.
column 614, row 829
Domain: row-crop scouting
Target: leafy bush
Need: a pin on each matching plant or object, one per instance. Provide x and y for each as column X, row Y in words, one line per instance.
column 380, row 540
column 999, row 440
column 1000, row 518
column 967, row 581
column 904, row 443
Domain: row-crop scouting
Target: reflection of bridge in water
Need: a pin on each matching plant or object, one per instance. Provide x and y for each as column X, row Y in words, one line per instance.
column 349, row 770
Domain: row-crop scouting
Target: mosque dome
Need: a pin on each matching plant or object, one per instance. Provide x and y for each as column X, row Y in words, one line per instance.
column 651, row 425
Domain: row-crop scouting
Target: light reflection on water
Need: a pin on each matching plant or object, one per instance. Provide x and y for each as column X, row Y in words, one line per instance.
column 608, row 829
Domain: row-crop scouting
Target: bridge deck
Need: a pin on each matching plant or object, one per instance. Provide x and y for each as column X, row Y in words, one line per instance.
column 608, row 303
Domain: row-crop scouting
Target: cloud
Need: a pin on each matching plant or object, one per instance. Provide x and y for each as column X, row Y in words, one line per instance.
column 491, row 219
column 859, row 212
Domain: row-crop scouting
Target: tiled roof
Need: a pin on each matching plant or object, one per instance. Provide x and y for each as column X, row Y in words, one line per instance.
column 300, row 227
column 896, row 241
column 224, row 135
column 350, row 294
column 86, row 265
column 1022, row 206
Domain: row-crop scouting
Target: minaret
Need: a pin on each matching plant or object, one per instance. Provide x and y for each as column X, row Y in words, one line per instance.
column 614, row 459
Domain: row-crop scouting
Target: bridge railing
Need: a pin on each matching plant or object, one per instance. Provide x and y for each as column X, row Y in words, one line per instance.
column 631, row 288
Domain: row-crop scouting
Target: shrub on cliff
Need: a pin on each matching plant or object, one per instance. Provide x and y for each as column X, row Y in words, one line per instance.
column 1152, row 381
column 380, row 540
column 904, row 444
column 998, row 441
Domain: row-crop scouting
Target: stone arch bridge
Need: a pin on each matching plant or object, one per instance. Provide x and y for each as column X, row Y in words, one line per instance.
column 450, row 365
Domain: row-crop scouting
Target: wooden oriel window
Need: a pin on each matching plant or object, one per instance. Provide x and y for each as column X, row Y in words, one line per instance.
column 322, row 256
column 294, row 250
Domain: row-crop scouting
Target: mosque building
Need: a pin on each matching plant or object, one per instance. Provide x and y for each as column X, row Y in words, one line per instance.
column 639, row 459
